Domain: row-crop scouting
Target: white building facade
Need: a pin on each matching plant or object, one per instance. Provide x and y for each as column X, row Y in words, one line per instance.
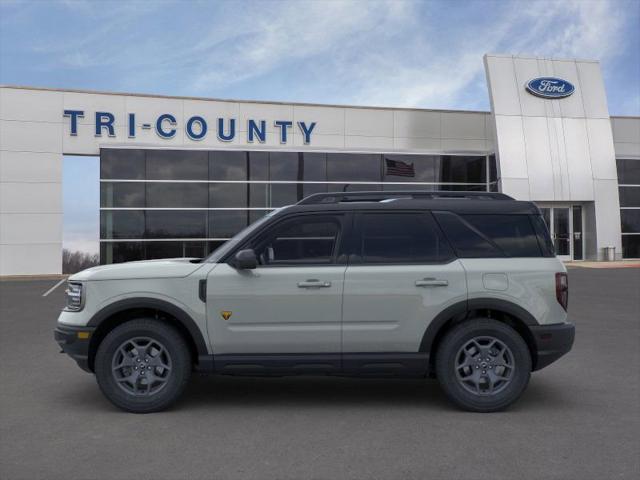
column 181, row 175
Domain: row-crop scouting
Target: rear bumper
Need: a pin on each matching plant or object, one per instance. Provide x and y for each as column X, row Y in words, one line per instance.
column 552, row 342
column 74, row 345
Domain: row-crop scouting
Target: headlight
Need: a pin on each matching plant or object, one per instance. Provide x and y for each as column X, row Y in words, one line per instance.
column 75, row 300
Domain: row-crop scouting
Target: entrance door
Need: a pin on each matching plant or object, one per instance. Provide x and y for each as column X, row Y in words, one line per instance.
column 565, row 227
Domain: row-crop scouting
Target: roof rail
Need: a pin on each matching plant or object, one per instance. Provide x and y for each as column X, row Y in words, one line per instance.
column 377, row 196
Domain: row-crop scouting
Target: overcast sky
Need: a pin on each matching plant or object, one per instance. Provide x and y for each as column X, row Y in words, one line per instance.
column 391, row 53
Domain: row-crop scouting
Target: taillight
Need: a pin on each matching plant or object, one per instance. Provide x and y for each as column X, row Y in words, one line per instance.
column 562, row 289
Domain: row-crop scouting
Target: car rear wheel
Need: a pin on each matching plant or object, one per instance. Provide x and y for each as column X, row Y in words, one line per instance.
column 483, row 365
column 143, row 365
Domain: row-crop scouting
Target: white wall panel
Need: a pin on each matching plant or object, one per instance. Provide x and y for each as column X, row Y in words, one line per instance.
column 30, row 105
column 466, row 146
column 592, row 85
column 31, row 259
column 268, row 112
column 540, row 168
column 30, row 167
column 501, row 78
column 578, row 159
column 601, row 149
column 23, row 228
column 369, row 122
column 511, row 147
column 466, row 126
column 30, row 197
column 416, row 124
column 525, row 70
column 21, row 136
column 361, row 142
column 428, row 145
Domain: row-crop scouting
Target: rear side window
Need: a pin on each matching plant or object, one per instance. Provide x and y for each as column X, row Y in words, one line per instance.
column 466, row 240
column 486, row 236
column 513, row 234
column 544, row 238
column 401, row 238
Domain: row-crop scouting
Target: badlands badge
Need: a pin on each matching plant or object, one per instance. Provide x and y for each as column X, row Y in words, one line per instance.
column 226, row 314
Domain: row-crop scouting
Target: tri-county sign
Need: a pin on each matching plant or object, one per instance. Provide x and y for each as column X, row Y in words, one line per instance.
column 550, row 87
column 196, row 127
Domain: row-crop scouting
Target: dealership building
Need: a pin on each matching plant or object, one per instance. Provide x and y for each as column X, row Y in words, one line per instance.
column 179, row 176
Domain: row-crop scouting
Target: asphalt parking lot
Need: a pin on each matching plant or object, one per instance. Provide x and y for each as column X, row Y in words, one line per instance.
column 580, row 417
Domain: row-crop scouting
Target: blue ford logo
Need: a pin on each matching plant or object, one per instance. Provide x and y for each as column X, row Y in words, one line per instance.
column 550, row 87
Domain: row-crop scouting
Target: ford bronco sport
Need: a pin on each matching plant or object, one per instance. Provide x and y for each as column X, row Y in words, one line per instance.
column 464, row 287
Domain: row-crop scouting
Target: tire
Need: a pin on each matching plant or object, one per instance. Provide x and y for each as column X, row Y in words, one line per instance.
column 143, row 365
column 483, row 382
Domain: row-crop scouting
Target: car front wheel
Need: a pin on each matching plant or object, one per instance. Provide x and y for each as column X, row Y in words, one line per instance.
column 483, row 365
column 143, row 365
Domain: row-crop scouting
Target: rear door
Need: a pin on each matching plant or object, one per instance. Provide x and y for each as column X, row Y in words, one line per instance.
column 402, row 273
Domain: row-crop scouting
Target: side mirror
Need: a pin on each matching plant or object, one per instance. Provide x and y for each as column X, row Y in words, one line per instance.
column 245, row 260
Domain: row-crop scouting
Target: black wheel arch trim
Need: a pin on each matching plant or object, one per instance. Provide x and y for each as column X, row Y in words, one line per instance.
column 154, row 304
column 460, row 310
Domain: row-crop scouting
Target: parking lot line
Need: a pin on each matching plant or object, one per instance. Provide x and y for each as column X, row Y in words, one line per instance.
column 54, row 287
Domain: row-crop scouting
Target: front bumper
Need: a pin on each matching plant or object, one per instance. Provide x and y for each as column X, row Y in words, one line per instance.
column 74, row 341
column 552, row 342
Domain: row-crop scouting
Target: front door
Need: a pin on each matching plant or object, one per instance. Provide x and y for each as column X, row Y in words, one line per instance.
column 565, row 227
column 291, row 303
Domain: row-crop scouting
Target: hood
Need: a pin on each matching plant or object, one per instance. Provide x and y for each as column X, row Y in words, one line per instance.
column 165, row 268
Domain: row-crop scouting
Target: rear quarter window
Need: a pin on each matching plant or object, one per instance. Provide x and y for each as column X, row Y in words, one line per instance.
column 493, row 235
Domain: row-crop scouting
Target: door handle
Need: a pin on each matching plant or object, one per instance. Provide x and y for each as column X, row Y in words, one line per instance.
column 431, row 282
column 313, row 283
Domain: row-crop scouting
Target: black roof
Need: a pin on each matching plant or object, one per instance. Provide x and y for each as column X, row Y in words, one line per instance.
column 458, row 202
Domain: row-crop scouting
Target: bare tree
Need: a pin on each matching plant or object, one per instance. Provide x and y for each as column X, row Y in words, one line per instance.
column 73, row 262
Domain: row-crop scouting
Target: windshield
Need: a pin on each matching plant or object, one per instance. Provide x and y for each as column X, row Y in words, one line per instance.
column 230, row 244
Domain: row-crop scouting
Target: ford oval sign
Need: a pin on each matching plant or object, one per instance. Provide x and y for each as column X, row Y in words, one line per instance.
column 550, row 87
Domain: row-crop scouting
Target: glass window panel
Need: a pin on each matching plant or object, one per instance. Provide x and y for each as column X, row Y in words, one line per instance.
column 255, row 215
column 629, row 196
column 315, row 167
column 628, row 171
column 630, row 221
column 226, row 223
column 258, row 195
column 285, row 166
column 176, row 224
column 228, row 195
column 177, row 165
column 163, row 250
column 345, row 167
column 228, row 165
column 213, row 245
column 258, row 165
column 541, row 226
column 285, row 194
column 177, row 195
column 118, row 252
column 463, row 169
column 514, row 234
column 122, row 224
column 411, row 168
column 402, row 238
column 493, row 168
column 466, row 242
column 125, row 164
column 129, row 195
column 309, row 240
column 630, row 246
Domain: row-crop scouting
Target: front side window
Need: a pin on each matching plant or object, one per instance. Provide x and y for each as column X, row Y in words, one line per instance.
column 300, row 241
column 401, row 238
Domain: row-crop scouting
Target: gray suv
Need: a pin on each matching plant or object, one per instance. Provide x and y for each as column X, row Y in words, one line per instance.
column 463, row 287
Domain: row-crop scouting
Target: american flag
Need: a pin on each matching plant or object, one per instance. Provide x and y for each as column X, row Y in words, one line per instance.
column 399, row 168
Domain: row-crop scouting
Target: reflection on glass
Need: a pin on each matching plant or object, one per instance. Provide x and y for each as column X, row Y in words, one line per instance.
column 177, row 195
column 121, row 224
column 125, row 164
column 225, row 165
column 345, row 167
column 176, row 224
column 177, row 165
column 226, row 223
column 228, row 195
column 561, row 232
column 118, row 195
